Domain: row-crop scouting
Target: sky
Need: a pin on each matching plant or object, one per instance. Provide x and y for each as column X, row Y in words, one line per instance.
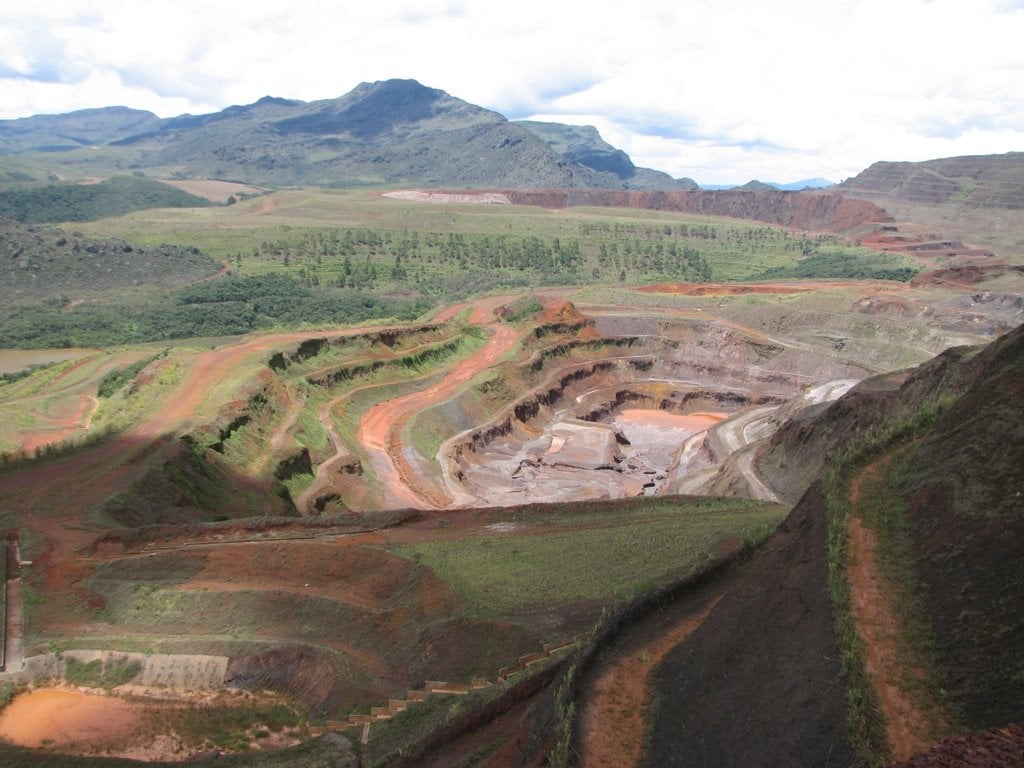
column 719, row 91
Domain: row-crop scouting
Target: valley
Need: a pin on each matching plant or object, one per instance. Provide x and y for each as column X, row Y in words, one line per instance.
column 480, row 484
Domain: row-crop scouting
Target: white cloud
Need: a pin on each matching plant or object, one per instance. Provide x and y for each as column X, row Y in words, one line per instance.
column 719, row 92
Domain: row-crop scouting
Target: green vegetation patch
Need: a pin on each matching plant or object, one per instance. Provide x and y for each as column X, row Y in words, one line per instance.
column 101, row 673
column 225, row 723
column 609, row 554
column 89, row 202
column 222, row 307
column 119, row 377
column 846, row 263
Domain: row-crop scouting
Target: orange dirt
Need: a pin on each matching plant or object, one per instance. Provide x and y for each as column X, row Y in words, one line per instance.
column 448, row 313
column 483, row 309
column 908, row 727
column 63, row 425
column 737, row 289
column 613, row 720
column 60, row 718
column 380, row 427
column 74, row 722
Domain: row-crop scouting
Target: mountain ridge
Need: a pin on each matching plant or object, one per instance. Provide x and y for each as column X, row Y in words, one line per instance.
column 386, row 132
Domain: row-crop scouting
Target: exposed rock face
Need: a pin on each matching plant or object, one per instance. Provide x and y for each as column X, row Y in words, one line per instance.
column 298, row 672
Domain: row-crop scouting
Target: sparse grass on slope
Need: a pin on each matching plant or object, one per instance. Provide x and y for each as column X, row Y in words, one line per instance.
column 610, row 552
column 865, row 722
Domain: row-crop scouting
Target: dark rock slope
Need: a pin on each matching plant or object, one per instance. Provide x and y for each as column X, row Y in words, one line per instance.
column 758, row 683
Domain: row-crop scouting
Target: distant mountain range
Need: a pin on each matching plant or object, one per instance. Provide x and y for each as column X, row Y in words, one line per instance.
column 402, row 133
column 793, row 186
column 389, row 132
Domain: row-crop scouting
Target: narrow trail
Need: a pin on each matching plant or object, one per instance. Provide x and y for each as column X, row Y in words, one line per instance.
column 379, row 430
column 14, row 649
column 908, row 728
column 613, row 719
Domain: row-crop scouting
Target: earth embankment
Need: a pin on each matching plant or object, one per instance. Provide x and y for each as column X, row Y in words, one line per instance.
column 758, row 683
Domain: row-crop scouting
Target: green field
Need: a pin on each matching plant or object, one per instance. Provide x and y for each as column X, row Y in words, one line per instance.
column 302, row 258
column 309, row 233
column 604, row 553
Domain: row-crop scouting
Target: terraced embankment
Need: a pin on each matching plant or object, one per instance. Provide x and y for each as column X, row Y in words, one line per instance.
column 341, row 611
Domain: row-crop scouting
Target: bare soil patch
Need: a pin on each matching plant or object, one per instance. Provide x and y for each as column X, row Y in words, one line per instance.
column 613, row 722
column 75, row 722
column 67, row 719
column 758, row 683
column 740, row 289
column 908, row 728
column 65, row 420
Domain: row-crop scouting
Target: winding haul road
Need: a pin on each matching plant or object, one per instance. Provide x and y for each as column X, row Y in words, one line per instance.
column 380, row 428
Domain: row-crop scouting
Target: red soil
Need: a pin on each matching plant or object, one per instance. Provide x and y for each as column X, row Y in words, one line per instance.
column 62, row 425
column 613, row 721
column 736, row 289
column 908, row 727
column 965, row 277
column 449, row 312
column 380, row 429
column 61, row 718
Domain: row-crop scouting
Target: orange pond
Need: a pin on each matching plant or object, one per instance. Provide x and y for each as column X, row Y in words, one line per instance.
column 63, row 718
column 691, row 422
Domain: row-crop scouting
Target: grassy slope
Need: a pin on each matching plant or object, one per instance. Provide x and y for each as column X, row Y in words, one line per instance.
column 948, row 517
column 226, row 232
column 317, row 256
column 578, row 552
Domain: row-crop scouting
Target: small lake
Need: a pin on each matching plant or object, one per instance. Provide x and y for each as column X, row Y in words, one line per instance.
column 14, row 360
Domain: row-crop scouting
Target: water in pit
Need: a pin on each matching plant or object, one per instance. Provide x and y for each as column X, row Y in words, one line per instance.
column 574, row 459
column 75, row 722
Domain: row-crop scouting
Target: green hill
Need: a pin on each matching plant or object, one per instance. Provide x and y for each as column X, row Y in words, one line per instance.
column 88, row 202
column 389, row 132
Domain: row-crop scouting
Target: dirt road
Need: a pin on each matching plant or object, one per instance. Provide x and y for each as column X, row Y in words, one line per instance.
column 380, row 429
column 911, row 723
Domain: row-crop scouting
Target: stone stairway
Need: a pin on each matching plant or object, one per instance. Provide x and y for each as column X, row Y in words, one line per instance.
column 441, row 688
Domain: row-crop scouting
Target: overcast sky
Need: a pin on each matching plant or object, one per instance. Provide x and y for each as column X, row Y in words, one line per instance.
column 722, row 91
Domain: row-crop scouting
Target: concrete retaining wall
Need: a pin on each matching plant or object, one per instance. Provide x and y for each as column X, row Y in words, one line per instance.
column 178, row 673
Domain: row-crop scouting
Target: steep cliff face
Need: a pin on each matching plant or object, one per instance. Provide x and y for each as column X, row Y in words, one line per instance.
column 796, row 455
